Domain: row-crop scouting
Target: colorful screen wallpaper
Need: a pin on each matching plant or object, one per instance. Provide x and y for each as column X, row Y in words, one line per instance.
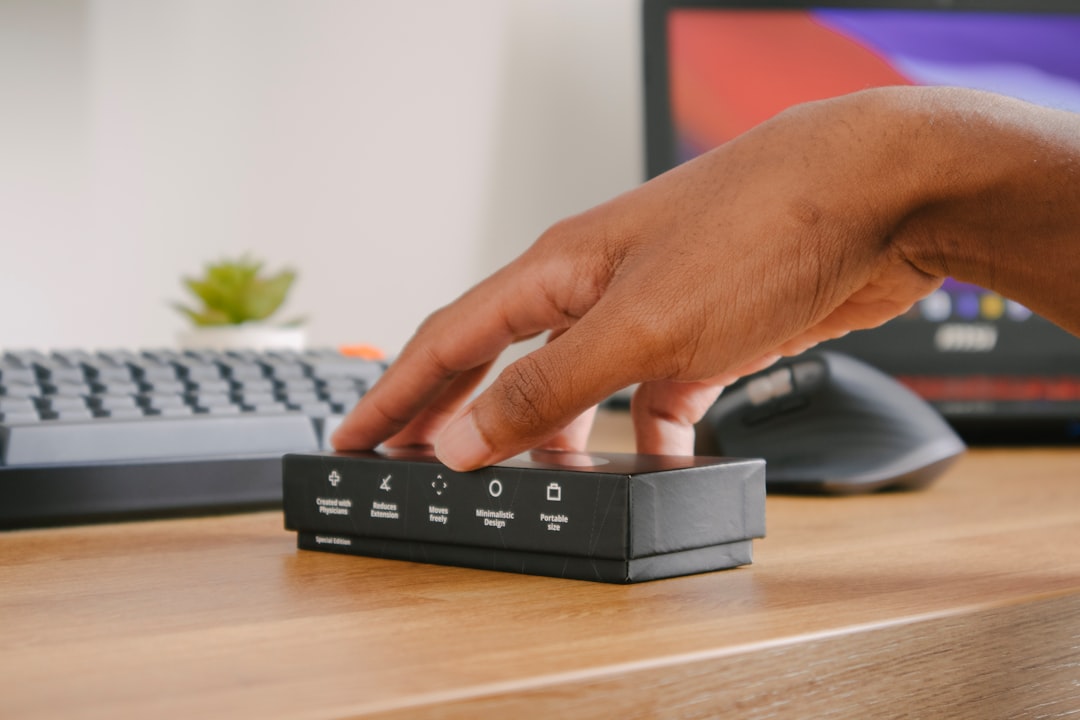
column 732, row 69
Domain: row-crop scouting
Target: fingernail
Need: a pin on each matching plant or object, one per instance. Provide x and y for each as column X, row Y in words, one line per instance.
column 460, row 446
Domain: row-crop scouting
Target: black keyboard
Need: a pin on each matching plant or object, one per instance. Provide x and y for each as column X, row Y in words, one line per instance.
column 101, row 436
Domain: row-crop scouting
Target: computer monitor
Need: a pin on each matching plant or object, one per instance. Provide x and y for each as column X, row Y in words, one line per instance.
column 715, row 68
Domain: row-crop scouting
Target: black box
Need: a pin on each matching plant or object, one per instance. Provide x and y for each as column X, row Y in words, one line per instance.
column 606, row 517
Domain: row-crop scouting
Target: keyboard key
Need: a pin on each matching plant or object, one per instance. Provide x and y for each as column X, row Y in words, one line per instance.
column 150, row 372
column 25, row 358
column 16, row 374
column 19, row 390
column 255, row 398
column 68, row 413
column 114, row 440
column 100, row 371
column 62, row 402
column 254, row 385
column 71, row 357
column 224, row 409
column 119, row 412
column 304, row 384
column 298, row 397
column 56, row 372
column 171, row 410
column 241, row 370
column 118, row 357
column 112, row 402
column 338, row 367
column 19, row 416
column 161, row 386
column 163, row 400
column 344, row 399
column 267, row 408
column 115, row 387
column 205, row 385
column 315, row 409
column 210, row 399
column 198, row 372
column 65, row 388
column 282, row 370
column 17, row 405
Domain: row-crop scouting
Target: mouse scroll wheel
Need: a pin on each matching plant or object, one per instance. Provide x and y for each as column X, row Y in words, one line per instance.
column 771, row 386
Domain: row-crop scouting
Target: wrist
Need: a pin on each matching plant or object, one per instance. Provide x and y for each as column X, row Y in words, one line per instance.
column 992, row 194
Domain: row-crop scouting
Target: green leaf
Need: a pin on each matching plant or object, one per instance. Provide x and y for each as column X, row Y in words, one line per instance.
column 233, row 292
column 266, row 296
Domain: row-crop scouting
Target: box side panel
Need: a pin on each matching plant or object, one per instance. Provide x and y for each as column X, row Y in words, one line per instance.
column 697, row 507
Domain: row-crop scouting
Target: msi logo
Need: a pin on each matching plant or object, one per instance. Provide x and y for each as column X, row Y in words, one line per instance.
column 953, row 337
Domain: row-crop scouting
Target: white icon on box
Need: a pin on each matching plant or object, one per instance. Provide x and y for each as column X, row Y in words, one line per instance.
column 554, row 492
column 385, row 484
column 334, row 478
column 439, row 485
column 495, row 488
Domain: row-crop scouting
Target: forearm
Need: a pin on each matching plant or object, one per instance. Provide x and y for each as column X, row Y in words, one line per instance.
column 997, row 196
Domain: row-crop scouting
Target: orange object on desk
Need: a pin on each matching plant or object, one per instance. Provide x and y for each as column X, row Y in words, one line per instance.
column 368, row 352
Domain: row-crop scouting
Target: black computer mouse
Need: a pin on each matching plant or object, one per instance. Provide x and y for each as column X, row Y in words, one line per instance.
column 827, row 423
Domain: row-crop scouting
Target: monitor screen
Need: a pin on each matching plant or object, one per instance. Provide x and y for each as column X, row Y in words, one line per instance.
column 715, row 69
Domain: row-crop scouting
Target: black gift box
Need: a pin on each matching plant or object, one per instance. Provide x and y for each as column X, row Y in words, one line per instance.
column 605, row 517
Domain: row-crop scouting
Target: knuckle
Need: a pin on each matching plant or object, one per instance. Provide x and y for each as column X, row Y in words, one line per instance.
column 393, row 419
column 558, row 233
column 431, row 323
column 429, row 344
column 528, row 393
column 659, row 346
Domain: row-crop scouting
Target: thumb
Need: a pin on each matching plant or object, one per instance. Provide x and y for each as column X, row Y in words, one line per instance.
column 533, row 399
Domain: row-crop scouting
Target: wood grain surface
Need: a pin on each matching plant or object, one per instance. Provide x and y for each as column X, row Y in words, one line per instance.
column 960, row 601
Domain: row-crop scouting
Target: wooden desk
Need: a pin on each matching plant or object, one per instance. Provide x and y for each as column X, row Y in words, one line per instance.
column 959, row 601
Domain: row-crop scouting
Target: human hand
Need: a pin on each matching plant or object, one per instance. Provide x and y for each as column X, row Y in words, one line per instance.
column 761, row 248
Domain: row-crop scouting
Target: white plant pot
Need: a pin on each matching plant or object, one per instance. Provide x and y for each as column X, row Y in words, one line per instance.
column 251, row 336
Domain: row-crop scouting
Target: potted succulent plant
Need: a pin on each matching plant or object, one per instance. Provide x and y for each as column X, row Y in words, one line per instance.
column 237, row 302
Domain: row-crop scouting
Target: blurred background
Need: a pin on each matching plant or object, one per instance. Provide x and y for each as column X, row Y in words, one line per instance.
column 392, row 152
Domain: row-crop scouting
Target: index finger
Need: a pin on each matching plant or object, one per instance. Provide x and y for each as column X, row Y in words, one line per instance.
column 469, row 333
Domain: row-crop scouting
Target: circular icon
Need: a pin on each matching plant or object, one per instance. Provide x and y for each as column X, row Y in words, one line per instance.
column 1016, row 311
column 967, row 306
column 937, row 306
column 992, row 305
column 495, row 488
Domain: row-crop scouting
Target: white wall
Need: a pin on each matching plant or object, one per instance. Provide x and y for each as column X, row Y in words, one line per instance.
column 393, row 152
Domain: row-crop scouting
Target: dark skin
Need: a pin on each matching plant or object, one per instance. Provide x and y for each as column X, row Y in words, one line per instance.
column 831, row 217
